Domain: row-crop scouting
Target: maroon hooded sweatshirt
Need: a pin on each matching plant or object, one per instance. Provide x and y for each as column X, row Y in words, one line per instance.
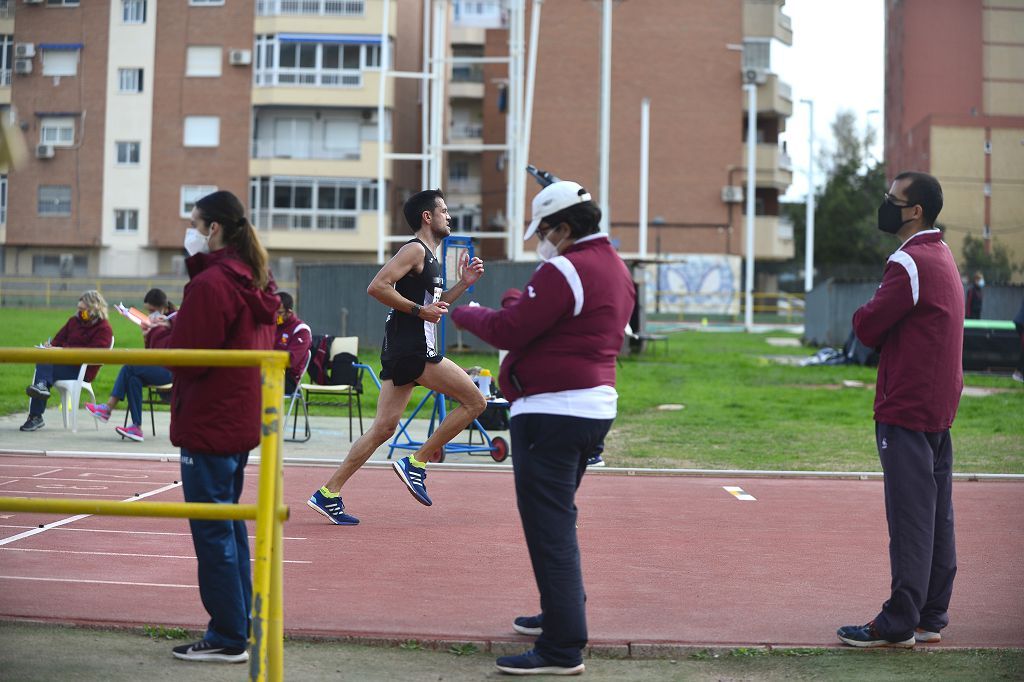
column 216, row 410
column 78, row 334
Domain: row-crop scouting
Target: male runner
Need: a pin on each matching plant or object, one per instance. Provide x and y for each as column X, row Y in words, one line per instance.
column 411, row 285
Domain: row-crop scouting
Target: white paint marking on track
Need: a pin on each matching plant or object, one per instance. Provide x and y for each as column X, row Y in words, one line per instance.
column 43, row 473
column 93, row 582
column 130, row 533
column 13, row 480
column 6, row 465
column 131, row 554
column 739, row 493
column 49, row 492
column 79, row 517
column 88, row 481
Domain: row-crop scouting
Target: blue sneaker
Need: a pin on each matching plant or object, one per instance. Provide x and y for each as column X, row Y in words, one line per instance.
column 529, row 625
column 532, row 663
column 595, row 461
column 331, row 507
column 865, row 636
column 413, row 476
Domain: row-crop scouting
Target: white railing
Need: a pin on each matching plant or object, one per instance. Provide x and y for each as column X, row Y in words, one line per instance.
column 327, row 8
column 5, row 78
column 464, row 186
column 304, row 219
column 309, row 76
column 272, row 149
column 6, row 9
column 462, row 131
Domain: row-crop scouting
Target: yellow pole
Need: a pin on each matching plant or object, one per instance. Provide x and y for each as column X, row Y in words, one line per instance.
column 275, row 629
column 176, row 510
column 272, row 378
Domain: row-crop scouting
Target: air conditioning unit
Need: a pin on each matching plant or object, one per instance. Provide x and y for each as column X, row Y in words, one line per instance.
column 24, row 50
column 732, row 194
column 44, row 151
column 240, row 57
column 23, row 66
column 756, row 76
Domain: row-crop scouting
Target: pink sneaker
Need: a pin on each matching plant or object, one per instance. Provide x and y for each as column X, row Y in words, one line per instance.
column 101, row 411
column 132, row 432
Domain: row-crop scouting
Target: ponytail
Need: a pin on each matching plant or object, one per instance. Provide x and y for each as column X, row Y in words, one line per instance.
column 224, row 208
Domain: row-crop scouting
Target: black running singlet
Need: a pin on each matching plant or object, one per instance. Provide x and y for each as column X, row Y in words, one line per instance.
column 406, row 334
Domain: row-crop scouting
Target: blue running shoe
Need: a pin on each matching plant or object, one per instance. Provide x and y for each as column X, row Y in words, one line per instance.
column 331, row 507
column 529, row 625
column 865, row 636
column 413, row 476
column 595, row 461
column 532, row 663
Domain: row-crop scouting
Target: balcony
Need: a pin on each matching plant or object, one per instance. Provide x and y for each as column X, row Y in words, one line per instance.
column 773, row 238
column 322, row 16
column 765, row 19
column 315, row 161
column 774, row 167
column 467, row 133
column 469, row 185
column 773, row 97
column 319, row 88
column 467, row 82
column 285, row 230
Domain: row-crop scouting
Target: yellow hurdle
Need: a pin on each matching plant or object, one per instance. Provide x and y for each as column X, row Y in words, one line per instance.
column 266, row 657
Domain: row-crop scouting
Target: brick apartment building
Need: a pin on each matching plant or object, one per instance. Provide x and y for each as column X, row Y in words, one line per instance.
column 954, row 107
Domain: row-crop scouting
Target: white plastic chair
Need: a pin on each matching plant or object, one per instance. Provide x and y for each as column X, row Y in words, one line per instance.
column 296, row 397
column 340, row 395
column 69, row 392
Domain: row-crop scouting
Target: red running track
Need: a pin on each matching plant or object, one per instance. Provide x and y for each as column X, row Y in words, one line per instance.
column 667, row 559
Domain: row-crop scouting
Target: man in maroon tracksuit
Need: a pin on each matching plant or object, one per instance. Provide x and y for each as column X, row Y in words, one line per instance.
column 563, row 334
column 294, row 337
column 916, row 319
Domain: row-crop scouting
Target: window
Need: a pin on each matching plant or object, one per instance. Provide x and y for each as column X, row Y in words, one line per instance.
column 133, row 11
column 6, row 58
column 60, row 265
column 126, row 220
column 458, row 170
column 203, row 62
column 294, row 203
column 129, row 80
column 55, row 200
column 128, row 153
column 341, row 137
column 58, row 131
column 205, row 3
column 62, row 3
column 60, row 62
column 3, row 199
column 202, row 131
column 289, row 59
column 190, row 194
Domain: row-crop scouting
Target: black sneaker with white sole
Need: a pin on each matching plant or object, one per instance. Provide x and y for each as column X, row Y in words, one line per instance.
column 529, row 625
column 204, row 650
column 38, row 390
column 34, row 423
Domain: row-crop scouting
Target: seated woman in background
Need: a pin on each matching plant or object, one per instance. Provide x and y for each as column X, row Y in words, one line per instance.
column 87, row 328
column 132, row 378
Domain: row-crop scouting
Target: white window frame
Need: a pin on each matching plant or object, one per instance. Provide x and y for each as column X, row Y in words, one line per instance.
column 194, row 122
column 328, row 8
column 133, row 11
column 205, row 3
column 267, row 216
column 3, row 199
column 126, row 220
column 195, row 67
column 62, row 3
column 190, row 194
column 58, row 131
column 62, row 69
column 130, row 81
column 6, row 58
column 269, row 71
column 57, row 202
column 127, row 146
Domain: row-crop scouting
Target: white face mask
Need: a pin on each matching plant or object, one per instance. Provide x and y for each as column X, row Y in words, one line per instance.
column 196, row 242
column 546, row 250
column 981, row 284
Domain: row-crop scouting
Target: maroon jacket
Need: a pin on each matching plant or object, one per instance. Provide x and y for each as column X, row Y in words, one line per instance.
column 78, row 334
column 294, row 337
column 916, row 319
column 565, row 331
column 216, row 410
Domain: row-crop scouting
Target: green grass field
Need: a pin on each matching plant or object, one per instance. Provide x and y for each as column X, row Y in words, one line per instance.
column 741, row 409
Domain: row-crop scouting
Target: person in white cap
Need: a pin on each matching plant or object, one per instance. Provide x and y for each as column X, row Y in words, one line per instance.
column 563, row 334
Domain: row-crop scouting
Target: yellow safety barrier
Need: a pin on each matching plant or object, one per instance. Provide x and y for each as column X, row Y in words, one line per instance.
column 266, row 658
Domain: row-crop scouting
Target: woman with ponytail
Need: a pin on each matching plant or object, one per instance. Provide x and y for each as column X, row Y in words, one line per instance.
column 229, row 303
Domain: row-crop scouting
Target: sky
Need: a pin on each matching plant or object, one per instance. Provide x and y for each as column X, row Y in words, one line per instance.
column 837, row 59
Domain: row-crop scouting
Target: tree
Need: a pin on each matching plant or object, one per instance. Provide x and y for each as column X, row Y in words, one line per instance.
column 845, row 216
column 995, row 266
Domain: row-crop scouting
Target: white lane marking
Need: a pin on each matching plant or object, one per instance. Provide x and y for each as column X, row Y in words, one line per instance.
column 13, row 480
column 93, row 582
column 739, row 493
column 53, row 492
column 43, row 473
column 6, row 465
column 86, row 481
column 133, row 554
column 79, row 517
column 128, row 532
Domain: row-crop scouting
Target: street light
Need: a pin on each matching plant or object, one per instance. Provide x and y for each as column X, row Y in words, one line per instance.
column 809, row 233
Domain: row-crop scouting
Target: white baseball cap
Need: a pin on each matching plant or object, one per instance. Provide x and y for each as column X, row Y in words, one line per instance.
column 552, row 199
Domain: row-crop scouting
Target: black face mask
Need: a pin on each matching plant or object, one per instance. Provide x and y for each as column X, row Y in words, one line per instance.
column 889, row 215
